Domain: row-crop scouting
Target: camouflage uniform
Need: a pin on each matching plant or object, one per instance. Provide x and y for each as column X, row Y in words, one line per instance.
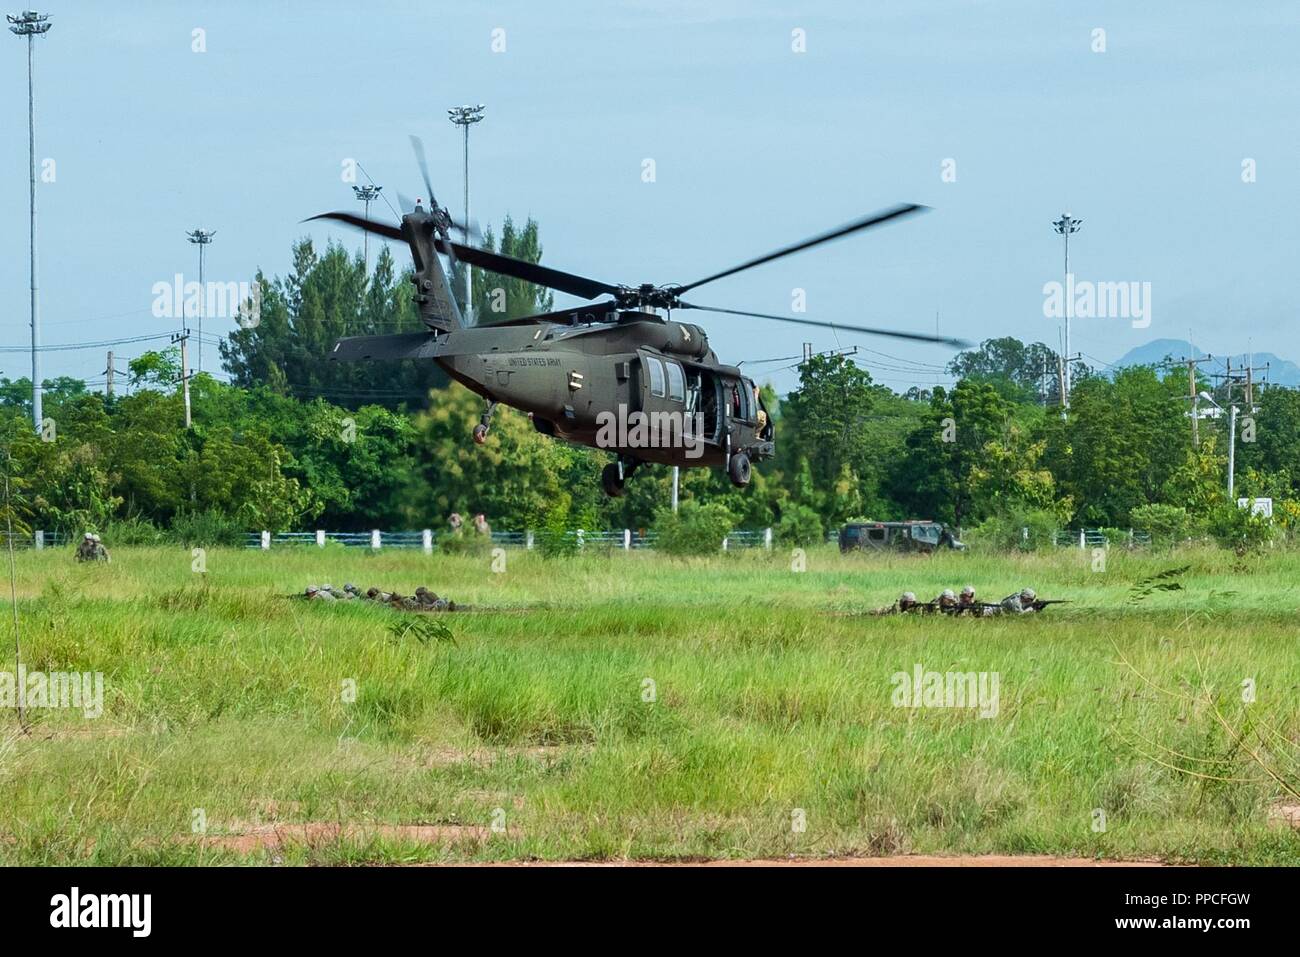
column 946, row 602
column 1020, row 603
column 86, row 548
column 906, row 603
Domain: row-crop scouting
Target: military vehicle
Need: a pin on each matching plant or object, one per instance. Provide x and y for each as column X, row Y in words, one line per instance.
column 912, row 536
column 620, row 374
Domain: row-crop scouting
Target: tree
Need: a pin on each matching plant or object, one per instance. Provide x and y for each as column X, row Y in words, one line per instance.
column 938, row 476
column 156, row 368
column 498, row 298
column 1021, row 373
column 323, row 299
column 824, row 424
column 1120, row 445
column 1270, row 442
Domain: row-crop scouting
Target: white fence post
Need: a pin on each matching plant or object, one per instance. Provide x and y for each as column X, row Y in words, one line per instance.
column 320, row 538
column 767, row 538
column 376, row 542
column 266, row 540
column 724, row 542
column 40, row 539
column 627, row 539
column 528, row 540
column 426, row 540
column 582, row 538
column 1083, row 542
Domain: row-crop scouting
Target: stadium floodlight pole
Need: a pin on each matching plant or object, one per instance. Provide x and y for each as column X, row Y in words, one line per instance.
column 367, row 195
column 201, row 238
column 465, row 117
column 1065, row 226
column 31, row 24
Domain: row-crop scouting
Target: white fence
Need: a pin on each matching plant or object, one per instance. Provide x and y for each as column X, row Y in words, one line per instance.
column 628, row 539
column 1097, row 538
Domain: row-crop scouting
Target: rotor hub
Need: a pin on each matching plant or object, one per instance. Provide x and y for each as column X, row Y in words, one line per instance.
column 648, row 294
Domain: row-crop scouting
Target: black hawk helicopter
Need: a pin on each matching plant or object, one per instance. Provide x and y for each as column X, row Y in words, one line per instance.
column 614, row 374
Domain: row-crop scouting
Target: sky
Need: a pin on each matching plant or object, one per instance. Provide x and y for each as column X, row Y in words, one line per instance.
column 755, row 143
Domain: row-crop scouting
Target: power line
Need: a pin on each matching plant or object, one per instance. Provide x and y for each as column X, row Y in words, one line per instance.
column 73, row 346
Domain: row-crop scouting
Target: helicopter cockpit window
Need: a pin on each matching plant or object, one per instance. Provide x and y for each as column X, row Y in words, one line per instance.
column 676, row 382
column 656, row 370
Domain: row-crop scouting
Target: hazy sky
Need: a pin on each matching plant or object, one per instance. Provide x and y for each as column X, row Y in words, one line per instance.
column 754, row 146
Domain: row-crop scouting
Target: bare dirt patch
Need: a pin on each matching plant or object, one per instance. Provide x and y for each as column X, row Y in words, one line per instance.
column 904, row 860
column 1284, row 815
column 486, row 757
column 273, row 837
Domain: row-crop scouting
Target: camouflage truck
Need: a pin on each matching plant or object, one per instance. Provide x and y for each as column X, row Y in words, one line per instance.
column 912, row 536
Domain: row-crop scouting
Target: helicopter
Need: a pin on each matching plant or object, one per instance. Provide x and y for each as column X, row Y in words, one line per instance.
column 616, row 374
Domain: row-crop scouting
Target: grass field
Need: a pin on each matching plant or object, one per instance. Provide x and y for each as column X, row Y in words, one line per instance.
column 632, row 706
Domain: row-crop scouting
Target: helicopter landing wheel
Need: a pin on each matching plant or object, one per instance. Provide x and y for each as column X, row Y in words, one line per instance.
column 611, row 481
column 738, row 469
column 484, row 423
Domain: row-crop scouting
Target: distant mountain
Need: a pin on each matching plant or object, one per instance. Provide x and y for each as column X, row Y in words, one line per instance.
column 1280, row 371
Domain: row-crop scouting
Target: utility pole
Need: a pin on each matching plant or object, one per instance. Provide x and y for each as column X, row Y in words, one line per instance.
column 201, row 238
column 1193, row 394
column 465, row 117
column 367, row 195
column 184, row 338
column 109, row 372
column 1065, row 226
column 1244, row 378
column 31, row 24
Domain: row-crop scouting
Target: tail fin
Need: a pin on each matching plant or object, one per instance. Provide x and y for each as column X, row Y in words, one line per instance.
column 433, row 294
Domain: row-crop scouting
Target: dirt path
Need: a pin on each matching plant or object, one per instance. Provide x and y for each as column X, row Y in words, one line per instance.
column 907, row 860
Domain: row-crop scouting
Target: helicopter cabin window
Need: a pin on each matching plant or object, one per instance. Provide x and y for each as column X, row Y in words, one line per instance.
column 742, row 406
column 876, row 534
column 747, row 401
column 676, row 382
column 656, row 370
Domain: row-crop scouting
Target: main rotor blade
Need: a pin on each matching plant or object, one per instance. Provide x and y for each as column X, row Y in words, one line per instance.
column 556, row 279
column 386, row 230
column 418, row 146
column 837, row 326
column 867, row 222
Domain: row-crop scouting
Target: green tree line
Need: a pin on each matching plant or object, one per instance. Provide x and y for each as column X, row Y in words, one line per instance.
column 293, row 441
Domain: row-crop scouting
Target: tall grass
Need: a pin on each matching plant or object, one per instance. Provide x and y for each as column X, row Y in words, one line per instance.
column 621, row 705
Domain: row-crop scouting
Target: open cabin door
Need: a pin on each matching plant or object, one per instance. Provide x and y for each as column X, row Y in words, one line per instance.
column 677, row 396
